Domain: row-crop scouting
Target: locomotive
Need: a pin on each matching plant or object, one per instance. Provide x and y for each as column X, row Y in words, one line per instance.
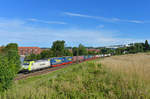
column 31, row 65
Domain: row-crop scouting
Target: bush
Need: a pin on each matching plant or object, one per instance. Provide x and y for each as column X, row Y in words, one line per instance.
column 9, row 66
column 7, row 73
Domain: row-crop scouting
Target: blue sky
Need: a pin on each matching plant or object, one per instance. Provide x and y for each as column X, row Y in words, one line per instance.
column 90, row 22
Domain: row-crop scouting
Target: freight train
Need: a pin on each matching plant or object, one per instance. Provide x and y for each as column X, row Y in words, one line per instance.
column 57, row 61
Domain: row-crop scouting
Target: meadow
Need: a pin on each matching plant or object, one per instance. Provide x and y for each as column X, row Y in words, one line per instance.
column 116, row 77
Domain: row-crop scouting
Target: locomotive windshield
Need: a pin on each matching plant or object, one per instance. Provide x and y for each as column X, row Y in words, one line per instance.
column 26, row 64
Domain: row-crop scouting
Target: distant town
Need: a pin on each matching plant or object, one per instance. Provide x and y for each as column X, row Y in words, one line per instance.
column 38, row 50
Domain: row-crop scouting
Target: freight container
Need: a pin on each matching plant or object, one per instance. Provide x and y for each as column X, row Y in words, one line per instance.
column 81, row 58
column 97, row 56
column 94, row 57
column 85, row 58
column 78, row 58
column 68, row 60
column 74, row 59
column 89, row 56
column 57, row 61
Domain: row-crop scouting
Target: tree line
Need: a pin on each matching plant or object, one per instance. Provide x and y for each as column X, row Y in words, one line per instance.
column 134, row 48
column 131, row 49
column 58, row 49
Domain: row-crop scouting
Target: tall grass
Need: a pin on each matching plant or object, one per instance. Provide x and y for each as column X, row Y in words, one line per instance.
column 130, row 65
column 118, row 77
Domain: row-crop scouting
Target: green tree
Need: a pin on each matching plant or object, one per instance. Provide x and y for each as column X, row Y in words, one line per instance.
column 9, row 65
column 106, row 51
column 31, row 57
column 68, row 53
column 103, row 50
column 46, row 54
column 82, row 50
column 92, row 53
column 38, row 56
column 132, row 49
column 58, row 48
column 11, row 51
column 119, row 51
column 139, row 47
column 75, row 51
column 147, row 47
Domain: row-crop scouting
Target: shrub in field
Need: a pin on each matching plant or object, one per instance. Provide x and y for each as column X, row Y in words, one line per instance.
column 7, row 73
column 9, row 65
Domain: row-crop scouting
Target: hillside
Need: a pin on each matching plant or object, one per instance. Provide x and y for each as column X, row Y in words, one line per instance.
column 116, row 77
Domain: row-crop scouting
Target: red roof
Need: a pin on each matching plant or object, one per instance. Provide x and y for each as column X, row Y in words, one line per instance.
column 28, row 47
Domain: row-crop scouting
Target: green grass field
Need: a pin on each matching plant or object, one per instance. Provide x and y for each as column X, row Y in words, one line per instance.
column 88, row 80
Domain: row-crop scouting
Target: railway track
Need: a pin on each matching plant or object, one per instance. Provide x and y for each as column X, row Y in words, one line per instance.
column 40, row 72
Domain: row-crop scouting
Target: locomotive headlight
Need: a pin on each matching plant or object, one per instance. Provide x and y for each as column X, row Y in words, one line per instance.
column 25, row 66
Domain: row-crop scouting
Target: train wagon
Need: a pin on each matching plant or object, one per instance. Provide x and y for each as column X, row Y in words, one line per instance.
column 68, row 60
column 58, row 61
column 97, row 56
column 85, row 58
column 35, row 65
column 78, row 58
column 92, row 57
column 88, row 57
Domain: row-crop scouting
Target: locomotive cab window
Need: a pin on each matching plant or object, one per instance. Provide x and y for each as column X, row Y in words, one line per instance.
column 26, row 64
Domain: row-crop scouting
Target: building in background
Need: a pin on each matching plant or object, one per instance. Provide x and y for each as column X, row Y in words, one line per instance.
column 29, row 50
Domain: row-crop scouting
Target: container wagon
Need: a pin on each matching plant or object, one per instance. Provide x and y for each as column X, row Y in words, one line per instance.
column 58, row 61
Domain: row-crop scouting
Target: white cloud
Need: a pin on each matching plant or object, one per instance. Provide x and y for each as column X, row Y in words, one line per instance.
column 4, row 23
column 103, row 18
column 136, row 21
column 79, row 15
column 46, row 22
